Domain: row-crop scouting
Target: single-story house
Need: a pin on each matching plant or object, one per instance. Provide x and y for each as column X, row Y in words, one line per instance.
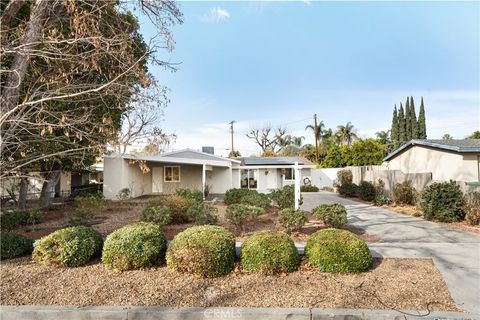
column 457, row 160
column 167, row 172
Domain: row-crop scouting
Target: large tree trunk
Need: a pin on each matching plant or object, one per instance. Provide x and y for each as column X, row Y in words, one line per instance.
column 48, row 185
column 22, row 197
column 11, row 88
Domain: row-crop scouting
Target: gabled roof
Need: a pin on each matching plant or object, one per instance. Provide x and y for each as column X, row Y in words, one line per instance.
column 274, row 161
column 454, row 145
column 195, row 154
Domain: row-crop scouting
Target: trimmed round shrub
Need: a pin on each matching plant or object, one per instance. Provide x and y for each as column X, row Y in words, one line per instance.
column 69, row 247
column 134, row 246
column 208, row 251
column 160, row 215
column 338, row 251
column 269, row 253
column 348, row 190
column 404, row 193
column 257, row 199
column 345, row 176
column 309, row 188
column 192, row 194
column 366, row 191
column 203, row 213
column 291, row 219
column 285, row 197
column 233, row 196
column 332, row 215
column 178, row 206
column 239, row 214
column 14, row 245
column 442, row 201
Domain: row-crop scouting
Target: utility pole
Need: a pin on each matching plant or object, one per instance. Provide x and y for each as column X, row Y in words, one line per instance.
column 231, row 133
column 316, row 133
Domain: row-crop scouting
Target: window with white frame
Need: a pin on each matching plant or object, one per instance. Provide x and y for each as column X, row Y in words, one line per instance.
column 289, row 174
column 171, row 174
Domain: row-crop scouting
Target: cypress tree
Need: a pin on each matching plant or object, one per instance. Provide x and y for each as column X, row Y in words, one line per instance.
column 422, row 127
column 394, row 129
column 408, row 121
column 413, row 116
column 402, row 136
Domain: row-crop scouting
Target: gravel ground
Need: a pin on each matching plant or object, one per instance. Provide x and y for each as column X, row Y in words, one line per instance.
column 411, row 284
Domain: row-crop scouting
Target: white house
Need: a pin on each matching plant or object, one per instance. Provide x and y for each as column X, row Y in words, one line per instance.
column 187, row 168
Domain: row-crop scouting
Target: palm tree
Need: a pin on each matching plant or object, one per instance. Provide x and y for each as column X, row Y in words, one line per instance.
column 317, row 129
column 346, row 134
column 383, row 136
column 297, row 141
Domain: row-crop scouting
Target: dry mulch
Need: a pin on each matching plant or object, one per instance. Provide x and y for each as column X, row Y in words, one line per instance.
column 407, row 284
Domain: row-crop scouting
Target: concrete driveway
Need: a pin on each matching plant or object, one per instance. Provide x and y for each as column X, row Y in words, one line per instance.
column 456, row 253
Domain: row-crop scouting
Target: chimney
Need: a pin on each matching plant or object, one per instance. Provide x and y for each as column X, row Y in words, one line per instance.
column 209, row 150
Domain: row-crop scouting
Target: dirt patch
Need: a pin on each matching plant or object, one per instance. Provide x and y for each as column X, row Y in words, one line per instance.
column 408, row 284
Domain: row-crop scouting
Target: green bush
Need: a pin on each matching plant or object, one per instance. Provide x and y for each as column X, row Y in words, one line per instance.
column 442, row 201
column 80, row 217
column 472, row 208
column 257, row 199
column 381, row 200
column 269, row 253
column 159, row 215
column 208, row 251
column 134, row 246
column 124, row 194
column 366, row 190
column 192, row 194
column 178, row 206
column 239, row 214
column 285, row 197
column 233, row 196
column 291, row 219
column 203, row 213
column 69, row 247
column 404, row 193
column 94, row 202
column 15, row 219
column 332, row 215
column 334, row 250
column 309, row 188
column 348, row 190
column 14, row 245
column 344, row 176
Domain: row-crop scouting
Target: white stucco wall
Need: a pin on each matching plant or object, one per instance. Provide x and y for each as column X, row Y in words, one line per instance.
column 220, row 179
column 443, row 165
column 115, row 176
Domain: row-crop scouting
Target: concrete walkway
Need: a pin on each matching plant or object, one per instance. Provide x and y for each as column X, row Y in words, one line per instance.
column 456, row 253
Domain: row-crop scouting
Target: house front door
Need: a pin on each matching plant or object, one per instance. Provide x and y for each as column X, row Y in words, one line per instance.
column 157, row 179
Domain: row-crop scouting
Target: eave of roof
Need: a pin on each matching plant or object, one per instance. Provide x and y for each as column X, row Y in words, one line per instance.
column 160, row 159
column 432, row 144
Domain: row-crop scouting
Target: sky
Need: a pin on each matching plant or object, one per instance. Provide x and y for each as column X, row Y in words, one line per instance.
column 278, row 63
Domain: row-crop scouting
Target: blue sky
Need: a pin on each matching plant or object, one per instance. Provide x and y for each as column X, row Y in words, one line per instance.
column 279, row 63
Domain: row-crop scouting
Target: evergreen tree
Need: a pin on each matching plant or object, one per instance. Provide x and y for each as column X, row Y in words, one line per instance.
column 408, row 121
column 394, row 129
column 422, row 128
column 413, row 116
column 402, row 134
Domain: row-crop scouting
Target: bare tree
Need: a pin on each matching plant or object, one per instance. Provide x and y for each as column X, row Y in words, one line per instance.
column 268, row 139
column 68, row 72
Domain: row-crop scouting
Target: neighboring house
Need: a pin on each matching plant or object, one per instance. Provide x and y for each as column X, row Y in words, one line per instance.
column 458, row 160
column 187, row 168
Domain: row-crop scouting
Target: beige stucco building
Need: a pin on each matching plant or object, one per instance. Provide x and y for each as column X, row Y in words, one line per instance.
column 165, row 173
column 457, row 160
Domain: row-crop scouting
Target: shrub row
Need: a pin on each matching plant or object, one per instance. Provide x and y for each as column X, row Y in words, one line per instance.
column 309, row 188
column 247, row 197
column 207, row 251
column 15, row 219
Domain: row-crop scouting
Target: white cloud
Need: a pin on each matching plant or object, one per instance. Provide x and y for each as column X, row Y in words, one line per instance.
column 216, row 15
column 306, row 1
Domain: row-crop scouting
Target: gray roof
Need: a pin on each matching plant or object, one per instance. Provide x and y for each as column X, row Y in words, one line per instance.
column 454, row 145
column 275, row 161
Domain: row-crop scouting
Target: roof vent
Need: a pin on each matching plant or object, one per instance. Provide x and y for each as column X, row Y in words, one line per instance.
column 209, row 150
